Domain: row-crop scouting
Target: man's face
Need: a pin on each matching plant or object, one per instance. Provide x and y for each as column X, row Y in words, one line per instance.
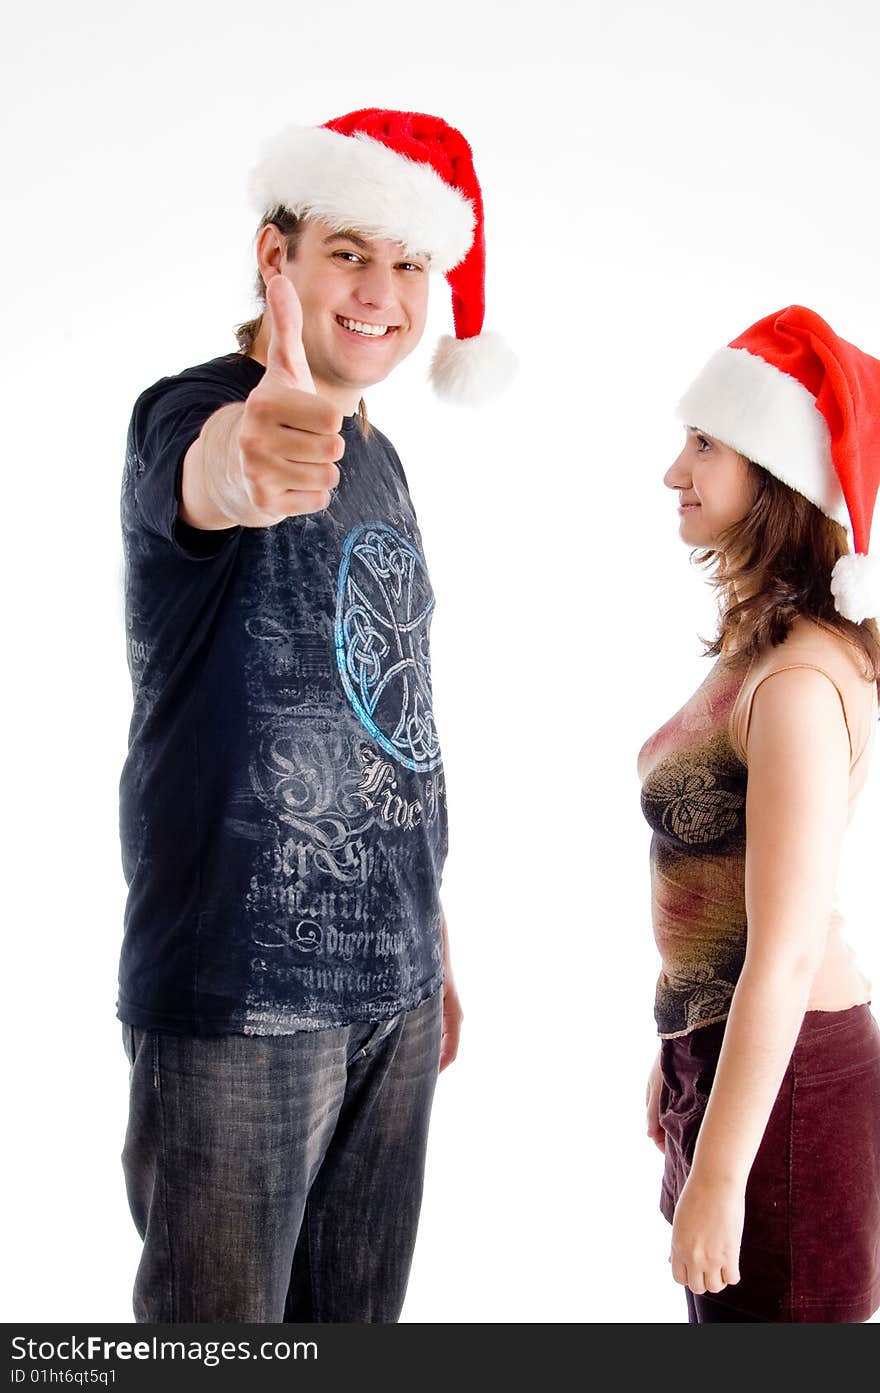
column 364, row 303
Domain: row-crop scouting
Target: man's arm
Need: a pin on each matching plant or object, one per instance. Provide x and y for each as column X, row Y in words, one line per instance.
column 274, row 455
column 208, row 498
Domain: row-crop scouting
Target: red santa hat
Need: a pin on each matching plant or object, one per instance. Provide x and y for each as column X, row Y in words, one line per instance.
column 805, row 404
column 409, row 178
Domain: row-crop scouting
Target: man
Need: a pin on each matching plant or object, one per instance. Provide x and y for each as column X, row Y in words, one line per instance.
column 284, row 974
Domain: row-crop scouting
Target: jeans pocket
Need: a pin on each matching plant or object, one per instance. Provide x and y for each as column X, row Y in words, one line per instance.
column 154, row 1036
column 134, row 1039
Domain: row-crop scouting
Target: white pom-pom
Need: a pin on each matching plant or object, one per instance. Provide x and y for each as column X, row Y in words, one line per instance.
column 855, row 585
column 470, row 371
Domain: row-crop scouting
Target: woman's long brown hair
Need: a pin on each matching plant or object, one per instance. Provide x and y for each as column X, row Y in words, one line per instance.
column 774, row 566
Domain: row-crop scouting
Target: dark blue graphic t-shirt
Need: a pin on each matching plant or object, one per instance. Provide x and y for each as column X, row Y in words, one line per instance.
column 282, row 805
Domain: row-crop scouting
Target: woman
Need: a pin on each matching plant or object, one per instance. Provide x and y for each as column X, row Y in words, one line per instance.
column 765, row 1096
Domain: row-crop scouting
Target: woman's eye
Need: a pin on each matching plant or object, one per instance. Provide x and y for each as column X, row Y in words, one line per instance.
column 703, row 443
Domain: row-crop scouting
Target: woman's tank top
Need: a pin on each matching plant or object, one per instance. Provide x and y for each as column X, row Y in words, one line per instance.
column 694, row 776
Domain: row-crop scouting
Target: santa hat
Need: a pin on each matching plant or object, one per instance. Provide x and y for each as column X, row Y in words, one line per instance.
column 805, row 405
column 409, row 178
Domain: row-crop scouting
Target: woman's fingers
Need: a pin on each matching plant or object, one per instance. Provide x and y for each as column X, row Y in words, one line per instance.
column 652, row 1108
column 701, row 1277
column 657, row 1134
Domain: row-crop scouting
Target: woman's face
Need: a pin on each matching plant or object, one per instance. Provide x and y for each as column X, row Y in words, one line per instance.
column 716, row 488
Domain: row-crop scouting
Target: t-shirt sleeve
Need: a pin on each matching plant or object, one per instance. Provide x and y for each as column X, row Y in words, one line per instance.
column 165, row 422
column 396, row 466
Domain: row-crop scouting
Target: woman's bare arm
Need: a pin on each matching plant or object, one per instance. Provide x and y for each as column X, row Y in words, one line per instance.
column 796, row 812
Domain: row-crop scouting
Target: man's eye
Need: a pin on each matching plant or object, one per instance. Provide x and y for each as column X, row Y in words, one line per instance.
column 352, row 256
column 410, row 266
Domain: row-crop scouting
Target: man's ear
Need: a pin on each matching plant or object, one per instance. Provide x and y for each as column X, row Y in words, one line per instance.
column 271, row 247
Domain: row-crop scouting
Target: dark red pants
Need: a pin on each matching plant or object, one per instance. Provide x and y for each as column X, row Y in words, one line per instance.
column 811, row 1239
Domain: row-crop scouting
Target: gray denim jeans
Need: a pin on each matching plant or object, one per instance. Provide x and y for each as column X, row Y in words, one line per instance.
column 279, row 1178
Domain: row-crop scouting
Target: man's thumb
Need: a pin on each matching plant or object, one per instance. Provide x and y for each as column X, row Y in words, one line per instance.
column 286, row 356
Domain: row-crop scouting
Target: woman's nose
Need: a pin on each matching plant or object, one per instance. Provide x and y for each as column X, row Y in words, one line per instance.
column 678, row 475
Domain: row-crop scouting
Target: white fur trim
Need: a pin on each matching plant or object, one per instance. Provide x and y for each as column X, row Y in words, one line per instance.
column 468, row 372
column 855, row 585
column 353, row 181
column 771, row 418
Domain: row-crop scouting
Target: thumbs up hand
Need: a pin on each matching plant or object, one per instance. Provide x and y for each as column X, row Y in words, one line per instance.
column 286, row 356
column 289, row 439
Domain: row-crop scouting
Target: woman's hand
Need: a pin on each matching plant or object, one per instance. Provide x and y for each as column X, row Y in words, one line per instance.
column 706, row 1234
column 652, row 1105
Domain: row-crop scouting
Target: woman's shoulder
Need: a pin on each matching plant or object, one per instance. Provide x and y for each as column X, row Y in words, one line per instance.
column 812, row 645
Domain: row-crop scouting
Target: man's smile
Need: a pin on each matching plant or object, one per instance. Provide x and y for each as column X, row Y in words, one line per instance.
column 365, row 330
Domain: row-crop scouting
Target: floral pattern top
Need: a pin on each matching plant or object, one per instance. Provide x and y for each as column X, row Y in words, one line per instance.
column 694, row 775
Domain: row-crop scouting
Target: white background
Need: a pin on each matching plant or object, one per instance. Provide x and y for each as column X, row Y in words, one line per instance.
column 656, row 177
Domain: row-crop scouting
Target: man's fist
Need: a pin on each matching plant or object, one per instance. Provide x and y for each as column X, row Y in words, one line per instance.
column 289, row 437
